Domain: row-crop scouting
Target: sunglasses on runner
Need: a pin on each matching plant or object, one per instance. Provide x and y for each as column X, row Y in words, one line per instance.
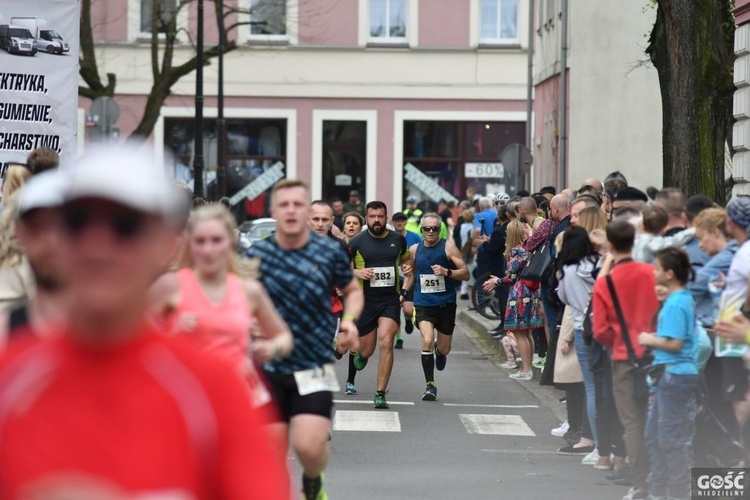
column 125, row 225
column 430, row 229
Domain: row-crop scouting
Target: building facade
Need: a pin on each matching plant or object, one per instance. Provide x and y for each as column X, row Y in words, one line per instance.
column 613, row 106
column 387, row 97
column 741, row 131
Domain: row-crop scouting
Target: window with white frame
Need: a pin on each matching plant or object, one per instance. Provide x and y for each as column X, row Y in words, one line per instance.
column 268, row 18
column 388, row 20
column 499, row 21
column 165, row 12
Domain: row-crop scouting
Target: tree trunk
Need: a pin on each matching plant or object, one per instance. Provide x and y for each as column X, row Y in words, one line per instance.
column 691, row 46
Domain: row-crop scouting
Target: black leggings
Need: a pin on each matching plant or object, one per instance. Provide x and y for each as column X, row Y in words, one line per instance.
column 575, row 395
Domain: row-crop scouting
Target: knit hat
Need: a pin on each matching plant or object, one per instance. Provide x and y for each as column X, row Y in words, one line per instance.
column 739, row 211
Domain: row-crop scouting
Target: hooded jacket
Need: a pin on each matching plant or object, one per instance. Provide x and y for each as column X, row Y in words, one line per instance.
column 575, row 288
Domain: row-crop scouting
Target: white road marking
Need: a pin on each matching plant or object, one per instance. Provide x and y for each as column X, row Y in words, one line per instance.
column 369, row 402
column 491, row 406
column 367, row 421
column 497, row 425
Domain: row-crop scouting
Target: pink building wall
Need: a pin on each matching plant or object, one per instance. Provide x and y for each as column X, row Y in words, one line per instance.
column 110, row 20
column 545, row 106
column 327, row 22
column 444, row 23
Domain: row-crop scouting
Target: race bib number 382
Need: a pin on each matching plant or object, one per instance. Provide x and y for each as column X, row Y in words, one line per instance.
column 382, row 277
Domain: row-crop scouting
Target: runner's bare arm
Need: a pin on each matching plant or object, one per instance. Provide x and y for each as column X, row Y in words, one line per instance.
column 410, row 277
column 354, row 302
column 163, row 296
column 277, row 337
column 461, row 273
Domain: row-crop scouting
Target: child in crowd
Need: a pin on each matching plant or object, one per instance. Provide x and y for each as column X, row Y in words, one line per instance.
column 670, row 429
column 650, row 241
column 512, row 353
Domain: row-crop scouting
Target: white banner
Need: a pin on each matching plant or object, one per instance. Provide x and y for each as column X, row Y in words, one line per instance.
column 38, row 78
column 425, row 184
column 260, row 184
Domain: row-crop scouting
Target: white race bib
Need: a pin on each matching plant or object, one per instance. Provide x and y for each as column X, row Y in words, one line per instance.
column 316, row 380
column 383, row 276
column 431, row 283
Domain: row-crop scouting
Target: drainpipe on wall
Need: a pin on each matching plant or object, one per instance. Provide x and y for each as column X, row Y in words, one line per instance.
column 529, row 87
column 562, row 166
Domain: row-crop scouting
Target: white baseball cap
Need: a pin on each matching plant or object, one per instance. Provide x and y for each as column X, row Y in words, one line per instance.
column 126, row 174
column 44, row 190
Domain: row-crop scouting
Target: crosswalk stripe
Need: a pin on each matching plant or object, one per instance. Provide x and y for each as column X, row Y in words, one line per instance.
column 369, row 402
column 367, row 421
column 491, row 406
column 498, row 425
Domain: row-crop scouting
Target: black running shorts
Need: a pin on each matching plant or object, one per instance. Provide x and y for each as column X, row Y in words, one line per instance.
column 443, row 318
column 375, row 309
column 290, row 403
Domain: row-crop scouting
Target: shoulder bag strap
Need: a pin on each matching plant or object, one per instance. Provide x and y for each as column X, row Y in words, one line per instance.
column 621, row 320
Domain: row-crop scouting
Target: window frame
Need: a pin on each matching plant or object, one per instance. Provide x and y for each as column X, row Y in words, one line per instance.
column 388, row 40
column 498, row 26
column 252, row 37
column 135, row 34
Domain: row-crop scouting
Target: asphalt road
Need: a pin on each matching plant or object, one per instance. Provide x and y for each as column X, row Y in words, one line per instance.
column 486, row 437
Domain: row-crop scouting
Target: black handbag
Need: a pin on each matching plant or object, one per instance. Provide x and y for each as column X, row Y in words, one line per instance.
column 642, row 366
column 538, row 263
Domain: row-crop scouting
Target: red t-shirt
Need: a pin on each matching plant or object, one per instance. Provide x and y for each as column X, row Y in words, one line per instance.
column 151, row 417
column 635, row 285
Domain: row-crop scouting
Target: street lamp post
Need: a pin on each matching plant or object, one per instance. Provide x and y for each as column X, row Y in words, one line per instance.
column 198, row 161
column 221, row 168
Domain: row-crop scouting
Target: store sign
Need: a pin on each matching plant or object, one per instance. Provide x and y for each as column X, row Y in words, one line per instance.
column 428, row 186
column 485, row 170
column 38, row 78
column 259, row 184
column 343, row 180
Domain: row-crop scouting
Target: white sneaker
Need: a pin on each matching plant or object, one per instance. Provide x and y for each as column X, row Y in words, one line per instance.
column 535, row 359
column 561, row 429
column 519, row 375
column 508, row 364
column 591, row 459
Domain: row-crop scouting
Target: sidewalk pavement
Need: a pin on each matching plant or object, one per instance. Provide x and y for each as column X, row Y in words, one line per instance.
column 477, row 327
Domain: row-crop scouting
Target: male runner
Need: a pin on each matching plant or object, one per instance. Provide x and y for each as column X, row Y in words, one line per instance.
column 438, row 267
column 321, row 222
column 377, row 254
column 399, row 221
column 299, row 270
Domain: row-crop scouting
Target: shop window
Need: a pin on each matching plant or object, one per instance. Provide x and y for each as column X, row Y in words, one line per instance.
column 457, row 155
column 344, row 158
column 253, row 146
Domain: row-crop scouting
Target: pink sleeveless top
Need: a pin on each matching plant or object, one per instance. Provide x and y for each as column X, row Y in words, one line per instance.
column 222, row 329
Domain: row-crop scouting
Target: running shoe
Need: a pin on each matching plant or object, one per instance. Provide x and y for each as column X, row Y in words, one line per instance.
column 591, row 459
column 440, row 360
column 399, row 344
column 539, row 362
column 380, row 402
column 635, row 494
column 572, row 450
column 430, row 393
column 509, row 365
column 560, row 430
column 408, row 326
column 312, row 489
column 519, row 375
column 350, row 390
column 359, row 362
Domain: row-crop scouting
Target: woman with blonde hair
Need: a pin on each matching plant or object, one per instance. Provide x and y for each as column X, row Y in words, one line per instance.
column 213, row 299
column 16, row 279
column 353, row 223
column 592, row 218
column 523, row 311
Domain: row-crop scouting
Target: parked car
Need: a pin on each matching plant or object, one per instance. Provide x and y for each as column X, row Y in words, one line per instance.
column 17, row 40
column 254, row 230
column 47, row 40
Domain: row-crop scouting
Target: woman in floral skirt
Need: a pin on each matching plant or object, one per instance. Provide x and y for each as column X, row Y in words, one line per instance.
column 523, row 310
